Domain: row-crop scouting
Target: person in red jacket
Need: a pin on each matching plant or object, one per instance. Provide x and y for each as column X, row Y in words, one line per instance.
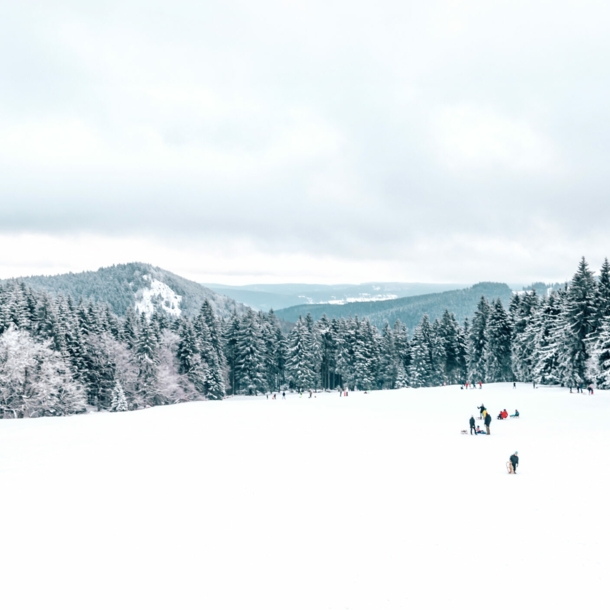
column 504, row 414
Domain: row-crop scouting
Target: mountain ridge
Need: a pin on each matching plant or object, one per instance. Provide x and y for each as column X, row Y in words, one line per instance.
column 409, row 310
column 142, row 286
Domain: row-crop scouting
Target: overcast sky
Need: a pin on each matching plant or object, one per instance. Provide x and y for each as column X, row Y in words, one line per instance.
column 306, row 140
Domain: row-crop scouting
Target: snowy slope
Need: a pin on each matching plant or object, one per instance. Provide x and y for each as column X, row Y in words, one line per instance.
column 157, row 296
column 373, row 501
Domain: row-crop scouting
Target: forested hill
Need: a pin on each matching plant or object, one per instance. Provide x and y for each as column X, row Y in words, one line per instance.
column 138, row 285
column 408, row 310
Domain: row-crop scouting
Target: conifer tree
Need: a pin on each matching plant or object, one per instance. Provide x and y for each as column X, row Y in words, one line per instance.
column 601, row 300
column 118, row 402
column 366, row 355
column 300, row 357
column 453, row 342
column 146, row 355
column 497, row 353
column 215, row 386
column 402, row 346
column 477, row 341
column 579, row 321
column 421, row 369
column 130, row 329
column 231, row 338
column 523, row 311
column 388, row 360
column 250, row 356
column 275, row 352
column 346, row 341
column 188, row 349
column 548, row 327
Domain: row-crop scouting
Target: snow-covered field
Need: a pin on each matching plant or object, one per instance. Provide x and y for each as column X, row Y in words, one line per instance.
column 372, row 501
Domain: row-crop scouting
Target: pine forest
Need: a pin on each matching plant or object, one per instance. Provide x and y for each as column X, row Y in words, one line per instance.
column 58, row 357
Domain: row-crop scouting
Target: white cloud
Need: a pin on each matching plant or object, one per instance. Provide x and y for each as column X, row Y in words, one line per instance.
column 474, row 138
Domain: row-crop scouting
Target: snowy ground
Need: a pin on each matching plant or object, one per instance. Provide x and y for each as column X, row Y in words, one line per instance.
column 368, row 502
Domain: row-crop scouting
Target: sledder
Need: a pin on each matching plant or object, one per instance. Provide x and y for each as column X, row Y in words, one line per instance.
column 512, row 463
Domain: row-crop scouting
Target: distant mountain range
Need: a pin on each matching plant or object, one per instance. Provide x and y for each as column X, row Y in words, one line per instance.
column 409, row 310
column 137, row 285
column 147, row 288
column 279, row 296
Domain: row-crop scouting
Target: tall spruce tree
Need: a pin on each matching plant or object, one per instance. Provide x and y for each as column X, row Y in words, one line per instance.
column 523, row 345
column 498, row 335
column 579, row 322
column 250, row 356
column 548, row 327
column 421, row 368
column 477, row 341
column 301, row 357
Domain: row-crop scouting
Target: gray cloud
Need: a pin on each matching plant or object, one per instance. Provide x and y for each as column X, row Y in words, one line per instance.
column 393, row 131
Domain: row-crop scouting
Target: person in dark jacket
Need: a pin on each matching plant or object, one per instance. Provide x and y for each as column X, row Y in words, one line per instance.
column 514, row 461
column 487, row 422
column 472, row 422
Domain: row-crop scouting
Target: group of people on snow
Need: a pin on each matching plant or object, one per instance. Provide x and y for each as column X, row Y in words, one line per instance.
column 486, row 417
column 472, row 385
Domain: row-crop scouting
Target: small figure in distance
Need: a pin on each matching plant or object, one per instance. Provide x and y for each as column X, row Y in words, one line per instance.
column 514, row 385
column 481, row 410
column 283, row 395
column 479, row 431
column 472, row 422
column 487, row 423
column 515, row 414
column 513, row 462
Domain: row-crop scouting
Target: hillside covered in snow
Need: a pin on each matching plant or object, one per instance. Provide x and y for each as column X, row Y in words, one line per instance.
column 369, row 502
column 138, row 285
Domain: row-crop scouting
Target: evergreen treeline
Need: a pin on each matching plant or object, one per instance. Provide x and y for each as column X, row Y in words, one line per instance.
column 57, row 357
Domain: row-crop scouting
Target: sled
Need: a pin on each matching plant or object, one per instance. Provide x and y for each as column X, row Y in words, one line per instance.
column 509, row 467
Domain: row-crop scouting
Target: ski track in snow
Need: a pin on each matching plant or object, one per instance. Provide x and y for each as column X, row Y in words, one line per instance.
column 374, row 501
column 158, row 292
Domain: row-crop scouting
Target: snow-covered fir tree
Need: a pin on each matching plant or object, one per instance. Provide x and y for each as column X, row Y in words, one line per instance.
column 118, row 402
column 250, row 375
column 498, row 335
column 523, row 310
column 301, row 357
column 579, row 322
column 477, row 341
column 421, row 368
